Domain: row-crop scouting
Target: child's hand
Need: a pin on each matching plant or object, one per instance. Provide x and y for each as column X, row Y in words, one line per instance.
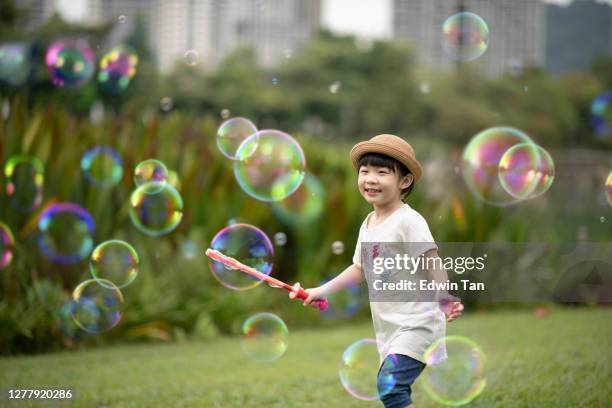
column 452, row 309
column 313, row 294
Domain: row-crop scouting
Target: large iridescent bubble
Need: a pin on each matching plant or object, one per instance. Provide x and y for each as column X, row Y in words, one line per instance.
column 70, row 62
column 102, row 166
column 156, row 208
column 358, row 367
column 265, row 337
column 232, row 133
column 480, row 165
column 305, row 205
column 601, row 115
column 608, row 188
column 526, row 171
column 247, row 244
column 115, row 261
column 66, row 233
column 455, row 372
column 117, row 68
column 270, row 165
column 7, row 244
column 465, row 36
column 24, row 182
column 15, row 64
column 97, row 307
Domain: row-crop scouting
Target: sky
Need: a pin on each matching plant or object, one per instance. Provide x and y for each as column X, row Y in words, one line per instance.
column 364, row 18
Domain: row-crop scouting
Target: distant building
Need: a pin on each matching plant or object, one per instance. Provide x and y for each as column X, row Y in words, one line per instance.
column 577, row 34
column 273, row 28
column 38, row 11
column 516, row 31
column 213, row 28
column 99, row 11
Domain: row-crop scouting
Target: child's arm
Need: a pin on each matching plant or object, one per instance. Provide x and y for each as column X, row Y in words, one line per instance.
column 449, row 304
column 349, row 277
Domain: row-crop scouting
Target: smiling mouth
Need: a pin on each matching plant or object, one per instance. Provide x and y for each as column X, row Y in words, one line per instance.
column 372, row 190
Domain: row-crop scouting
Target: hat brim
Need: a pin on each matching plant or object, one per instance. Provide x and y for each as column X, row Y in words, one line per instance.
column 367, row 146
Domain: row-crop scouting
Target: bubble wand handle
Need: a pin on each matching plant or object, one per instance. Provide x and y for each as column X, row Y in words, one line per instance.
column 322, row 304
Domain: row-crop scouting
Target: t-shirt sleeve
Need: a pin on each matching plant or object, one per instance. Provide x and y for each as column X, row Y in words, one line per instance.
column 419, row 236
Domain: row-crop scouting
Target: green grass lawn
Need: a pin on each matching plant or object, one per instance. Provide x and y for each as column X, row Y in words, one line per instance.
column 563, row 360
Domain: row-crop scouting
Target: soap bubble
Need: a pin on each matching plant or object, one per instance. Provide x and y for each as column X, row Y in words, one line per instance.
column 455, row 372
column 117, row 69
column 15, row 66
column 97, row 307
column 156, row 208
column 115, row 261
column 24, row 182
column 151, row 170
column 191, row 57
column 338, row 247
column 270, row 165
column 480, row 165
column 102, row 166
column 360, row 362
column 335, row 87
column 247, row 244
column 66, row 233
column 166, row 104
column 465, row 36
column 526, row 170
column 70, row 62
column 280, row 239
column 601, row 115
column 232, row 133
column 265, row 337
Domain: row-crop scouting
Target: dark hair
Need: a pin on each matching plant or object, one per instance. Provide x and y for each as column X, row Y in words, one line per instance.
column 382, row 160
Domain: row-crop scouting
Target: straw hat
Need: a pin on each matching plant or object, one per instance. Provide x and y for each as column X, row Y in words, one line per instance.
column 391, row 146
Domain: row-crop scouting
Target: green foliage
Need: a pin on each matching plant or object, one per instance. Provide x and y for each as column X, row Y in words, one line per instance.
column 378, row 89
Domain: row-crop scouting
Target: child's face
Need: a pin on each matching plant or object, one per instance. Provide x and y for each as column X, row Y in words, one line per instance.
column 381, row 185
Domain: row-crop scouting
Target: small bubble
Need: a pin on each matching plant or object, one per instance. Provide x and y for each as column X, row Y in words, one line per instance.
column 275, row 81
column 526, row 88
column 424, row 88
column 335, row 87
column 225, row 113
column 191, row 57
column 602, row 219
column 166, row 104
column 337, row 247
column 288, row 53
column 280, row 239
column 121, row 19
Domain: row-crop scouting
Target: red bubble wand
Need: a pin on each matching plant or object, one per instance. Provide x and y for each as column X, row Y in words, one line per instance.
column 232, row 263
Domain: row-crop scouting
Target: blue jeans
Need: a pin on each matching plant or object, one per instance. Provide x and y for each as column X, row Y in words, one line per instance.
column 395, row 378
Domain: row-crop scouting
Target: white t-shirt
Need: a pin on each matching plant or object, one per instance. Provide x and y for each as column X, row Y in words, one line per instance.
column 407, row 328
